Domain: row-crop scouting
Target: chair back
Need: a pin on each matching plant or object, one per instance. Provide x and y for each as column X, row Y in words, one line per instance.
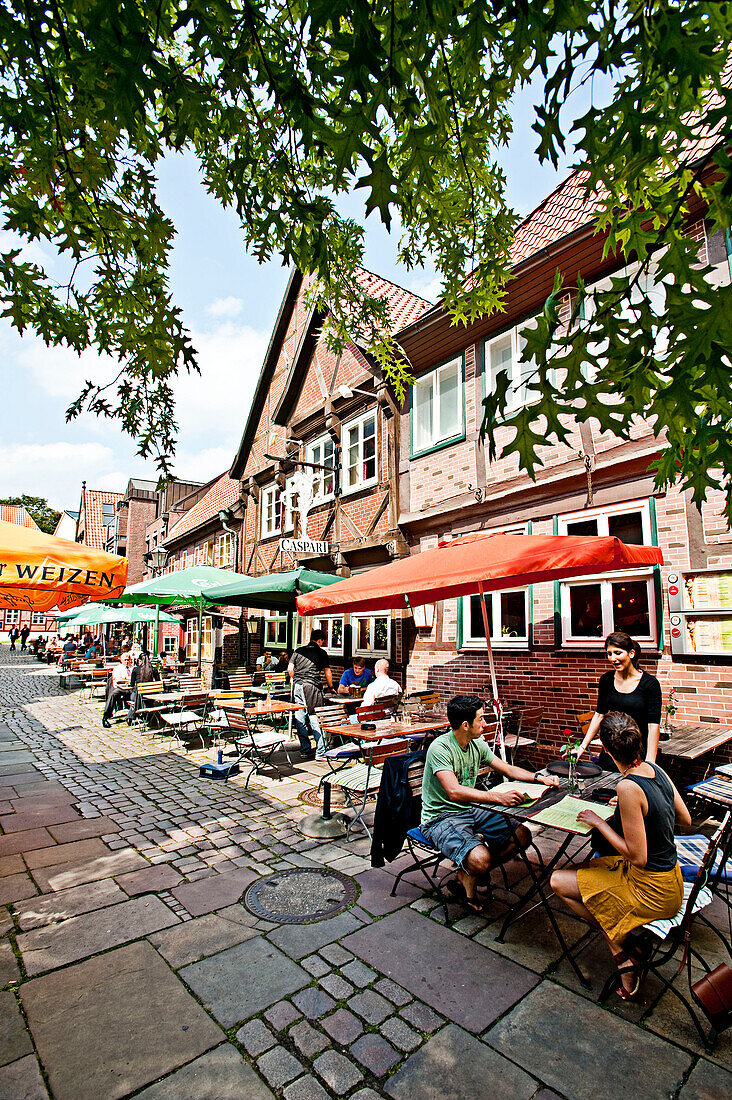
column 719, row 842
column 583, row 721
column 237, row 720
column 377, row 752
column 194, row 700
column 152, row 687
column 379, row 710
column 276, row 679
column 221, row 698
column 415, row 772
column 190, row 683
column 530, row 719
column 332, row 715
column 239, row 681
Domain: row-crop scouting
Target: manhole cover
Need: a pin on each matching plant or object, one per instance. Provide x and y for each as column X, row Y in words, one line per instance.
column 314, row 797
column 301, row 896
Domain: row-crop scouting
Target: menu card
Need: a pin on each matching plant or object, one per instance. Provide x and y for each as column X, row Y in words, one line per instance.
column 563, row 815
column 532, row 792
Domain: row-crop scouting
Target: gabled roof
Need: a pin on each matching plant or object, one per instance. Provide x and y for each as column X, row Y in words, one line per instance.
column 223, row 493
column 17, row 513
column 92, row 501
column 403, row 307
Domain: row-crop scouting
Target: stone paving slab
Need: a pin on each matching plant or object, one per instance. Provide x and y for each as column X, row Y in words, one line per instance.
column 90, row 870
column 552, row 1030
column 74, row 852
column 220, row 1075
column 133, row 1021
column 214, row 892
column 78, row 937
column 376, row 897
column 51, row 908
column 11, row 865
column 14, row 1039
column 149, row 879
column 25, row 841
column 47, row 815
column 16, row 756
column 198, row 938
column 83, row 828
column 454, row 1065
column 670, row 1020
column 240, row 982
column 15, row 888
column 465, row 982
column 22, row 1080
column 299, row 940
column 707, row 1082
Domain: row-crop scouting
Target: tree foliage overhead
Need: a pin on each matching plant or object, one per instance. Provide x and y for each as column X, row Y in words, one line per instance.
column 39, row 510
column 290, row 103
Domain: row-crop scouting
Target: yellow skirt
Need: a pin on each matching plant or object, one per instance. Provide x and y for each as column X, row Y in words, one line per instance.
column 622, row 897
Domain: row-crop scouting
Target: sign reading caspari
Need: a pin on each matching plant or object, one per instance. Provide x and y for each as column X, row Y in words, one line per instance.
column 305, row 546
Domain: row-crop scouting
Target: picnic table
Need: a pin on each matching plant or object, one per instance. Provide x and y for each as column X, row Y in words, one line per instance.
column 691, row 740
column 539, row 876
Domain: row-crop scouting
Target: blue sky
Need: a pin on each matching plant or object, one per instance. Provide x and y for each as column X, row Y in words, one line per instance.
column 230, row 304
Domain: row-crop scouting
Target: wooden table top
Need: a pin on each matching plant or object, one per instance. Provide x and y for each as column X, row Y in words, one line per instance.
column 694, row 739
column 260, row 708
column 385, row 729
column 552, row 795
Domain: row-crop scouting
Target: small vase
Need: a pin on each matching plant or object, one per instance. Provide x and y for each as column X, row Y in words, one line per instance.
column 573, row 781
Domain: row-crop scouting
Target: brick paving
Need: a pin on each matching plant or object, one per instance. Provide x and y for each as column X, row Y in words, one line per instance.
column 129, row 966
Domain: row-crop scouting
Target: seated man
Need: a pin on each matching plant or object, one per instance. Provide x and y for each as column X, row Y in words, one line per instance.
column 357, row 676
column 266, row 662
column 456, row 817
column 383, row 686
column 117, row 686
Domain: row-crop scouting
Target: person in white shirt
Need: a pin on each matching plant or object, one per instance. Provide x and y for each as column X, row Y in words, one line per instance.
column 117, row 683
column 381, row 687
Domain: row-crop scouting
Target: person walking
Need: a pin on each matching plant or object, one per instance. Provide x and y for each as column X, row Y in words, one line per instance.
column 24, row 638
column 13, row 634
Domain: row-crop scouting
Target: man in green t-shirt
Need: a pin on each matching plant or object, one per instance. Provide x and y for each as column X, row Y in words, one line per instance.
column 455, row 816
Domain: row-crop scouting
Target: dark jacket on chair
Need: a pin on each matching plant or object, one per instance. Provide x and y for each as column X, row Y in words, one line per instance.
column 396, row 808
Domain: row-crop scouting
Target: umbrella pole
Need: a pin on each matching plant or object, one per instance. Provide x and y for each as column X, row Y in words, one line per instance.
column 494, row 682
column 200, row 628
column 156, row 634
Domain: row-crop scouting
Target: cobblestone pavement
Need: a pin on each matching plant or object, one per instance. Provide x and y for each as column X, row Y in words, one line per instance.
column 129, row 965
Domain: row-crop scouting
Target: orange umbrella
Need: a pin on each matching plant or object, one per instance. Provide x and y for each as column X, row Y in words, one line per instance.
column 38, row 571
column 478, row 563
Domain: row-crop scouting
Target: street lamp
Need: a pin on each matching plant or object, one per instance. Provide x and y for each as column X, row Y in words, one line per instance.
column 252, row 624
column 348, row 391
column 158, row 558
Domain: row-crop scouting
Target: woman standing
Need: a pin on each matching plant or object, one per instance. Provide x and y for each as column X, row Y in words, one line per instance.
column 630, row 690
column 640, row 881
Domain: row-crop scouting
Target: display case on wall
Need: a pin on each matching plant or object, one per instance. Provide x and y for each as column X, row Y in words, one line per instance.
column 700, row 610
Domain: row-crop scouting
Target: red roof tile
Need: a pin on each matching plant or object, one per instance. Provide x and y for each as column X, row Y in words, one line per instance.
column 91, row 510
column 404, row 306
column 222, row 493
column 17, row 513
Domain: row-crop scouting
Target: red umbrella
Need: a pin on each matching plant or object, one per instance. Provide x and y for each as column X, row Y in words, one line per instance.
column 478, row 563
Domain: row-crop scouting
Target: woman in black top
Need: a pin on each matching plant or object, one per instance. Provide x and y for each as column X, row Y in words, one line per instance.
column 629, row 690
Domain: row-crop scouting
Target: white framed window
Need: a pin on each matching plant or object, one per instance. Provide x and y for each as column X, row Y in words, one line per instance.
column 170, row 643
column 360, row 468
column 502, row 356
column 275, row 630
column 371, row 635
column 593, row 607
column 225, row 550
column 272, row 510
column 38, row 618
column 206, row 639
column 437, row 406
column 508, row 612
column 322, row 453
column 12, row 617
column 332, row 627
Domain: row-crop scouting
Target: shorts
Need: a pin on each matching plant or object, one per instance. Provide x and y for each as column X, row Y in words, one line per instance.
column 457, row 834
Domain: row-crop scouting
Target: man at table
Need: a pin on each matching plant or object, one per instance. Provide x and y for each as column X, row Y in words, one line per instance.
column 355, row 676
column 266, row 662
column 382, row 687
column 305, row 668
column 456, row 817
column 117, row 685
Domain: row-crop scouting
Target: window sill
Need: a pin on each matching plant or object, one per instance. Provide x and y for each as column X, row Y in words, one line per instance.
column 438, row 446
column 360, row 488
column 480, row 647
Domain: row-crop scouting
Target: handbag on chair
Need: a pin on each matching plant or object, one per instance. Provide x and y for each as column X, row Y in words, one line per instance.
column 713, row 993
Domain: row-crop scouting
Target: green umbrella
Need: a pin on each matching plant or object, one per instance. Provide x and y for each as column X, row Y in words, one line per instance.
column 98, row 614
column 183, row 587
column 273, row 592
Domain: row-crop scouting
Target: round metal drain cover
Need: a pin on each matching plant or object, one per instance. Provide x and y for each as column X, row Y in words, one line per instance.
column 301, row 896
column 314, row 797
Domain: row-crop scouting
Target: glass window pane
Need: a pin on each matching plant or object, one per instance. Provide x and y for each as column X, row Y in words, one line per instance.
column 477, row 628
column 500, row 358
column 628, row 527
column 369, row 449
column 363, row 632
column 449, row 401
column 338, row 633
column 423, row 414
column 381, row 634
column 585, row 605
column 513, row 615
column 582, row 527
column 352, row 451
column 630, row 608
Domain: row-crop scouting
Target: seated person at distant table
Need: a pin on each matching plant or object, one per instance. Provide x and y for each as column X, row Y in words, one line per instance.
column 266, row 661
column 382, row 686
column 357, row 676
column 118, row 681
column 456, row 817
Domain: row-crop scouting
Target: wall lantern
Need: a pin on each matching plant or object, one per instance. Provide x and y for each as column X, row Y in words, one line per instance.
column 158, row 558
column 252, row 624
column 424, row 616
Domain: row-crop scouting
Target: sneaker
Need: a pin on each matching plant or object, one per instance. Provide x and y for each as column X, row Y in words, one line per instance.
column 307, row 755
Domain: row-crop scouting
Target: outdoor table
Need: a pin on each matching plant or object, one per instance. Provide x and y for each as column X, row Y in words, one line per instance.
column 384, row 730
column 692, row 740
column 520, row 815
column 716, row 789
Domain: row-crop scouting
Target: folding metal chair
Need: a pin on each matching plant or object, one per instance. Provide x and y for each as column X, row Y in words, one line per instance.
column 189, row 718
column 362, row 781
column 254, row 744
column 527, row 731
column 338, row 756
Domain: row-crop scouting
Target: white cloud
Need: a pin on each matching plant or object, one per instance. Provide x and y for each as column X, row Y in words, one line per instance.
column 52, row 470
column 225, row 307
column 431, row 289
